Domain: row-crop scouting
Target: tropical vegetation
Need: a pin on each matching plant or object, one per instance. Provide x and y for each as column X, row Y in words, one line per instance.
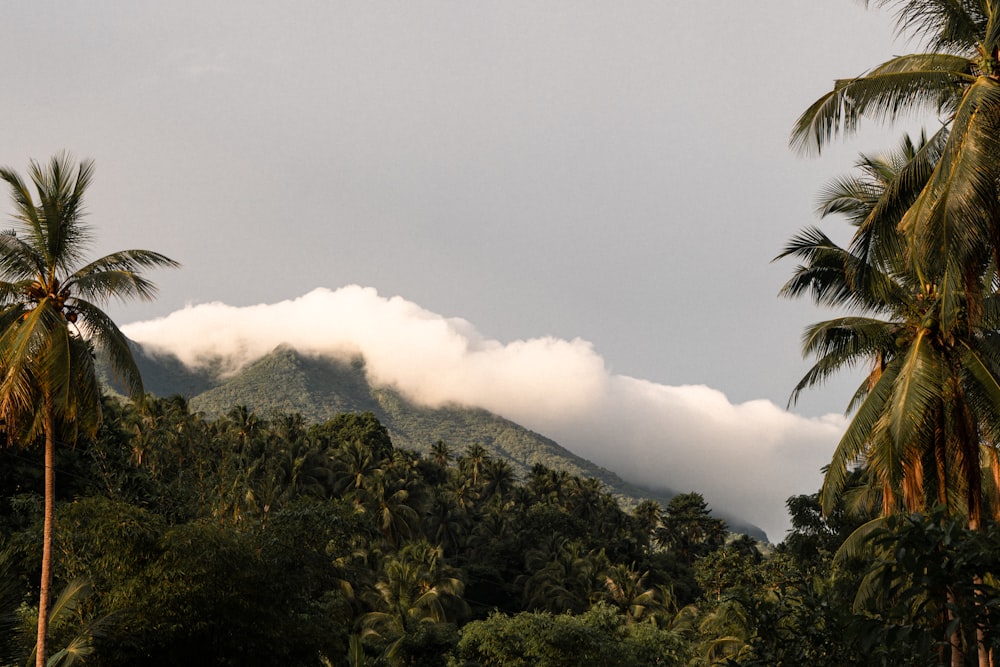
column 917, row 288
column 269, row 540
column 234, row 536
column 51, row 325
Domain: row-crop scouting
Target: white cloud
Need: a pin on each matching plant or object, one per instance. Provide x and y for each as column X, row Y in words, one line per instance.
column 747, row 458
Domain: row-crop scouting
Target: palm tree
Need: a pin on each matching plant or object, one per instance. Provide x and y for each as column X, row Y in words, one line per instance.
column 441, row 453
column 561, row 575
column 473, row 460
column 357, row 466
column 952, row 226
column 396, row 512
column 927, row 416
column 928, row 412
column 416, row 586
column 586, row 499
column 628, row 591
column 645, row 520
column 498, row 480
column 447, row 524
column 51, row 323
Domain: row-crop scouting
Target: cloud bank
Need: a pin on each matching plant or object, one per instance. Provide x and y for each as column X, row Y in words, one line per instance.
column 745, row 458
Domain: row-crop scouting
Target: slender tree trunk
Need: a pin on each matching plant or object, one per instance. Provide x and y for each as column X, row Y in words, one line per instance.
column 954, row 639
column 984, row 651
column 980, row 606
column 941, row 466
column 50, row 495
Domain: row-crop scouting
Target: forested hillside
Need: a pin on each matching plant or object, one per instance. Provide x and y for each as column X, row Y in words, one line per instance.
column 250, row 541
column 319, row 388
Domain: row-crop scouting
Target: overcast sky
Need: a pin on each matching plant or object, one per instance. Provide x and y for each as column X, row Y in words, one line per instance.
column 615, row 174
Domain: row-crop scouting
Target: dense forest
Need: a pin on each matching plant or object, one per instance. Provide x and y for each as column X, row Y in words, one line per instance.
column 252, row 541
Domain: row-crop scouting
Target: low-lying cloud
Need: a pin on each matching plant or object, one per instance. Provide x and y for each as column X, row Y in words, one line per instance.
column 745, row 458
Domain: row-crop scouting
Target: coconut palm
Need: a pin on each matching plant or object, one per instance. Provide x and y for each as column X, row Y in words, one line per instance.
column 396, row 511
column 498, row 480
column 416, row 586
column 952, row 226
column 628, row 591
column 356, row 466
column 441, row 453
column 927, row 416
column 563, row 575
column 472, row 462
column 645, row 520
column 446, row 524
column 928, row 411
column 51, row 323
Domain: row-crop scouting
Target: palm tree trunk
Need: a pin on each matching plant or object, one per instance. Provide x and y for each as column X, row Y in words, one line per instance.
column 50, row 494
column 980, row 606
column 940, row 460
column 954, row 641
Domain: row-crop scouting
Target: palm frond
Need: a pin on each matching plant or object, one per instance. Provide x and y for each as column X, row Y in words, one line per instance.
column 858, row 543
column 19, row 347
column 60, row 197
column 864, row 426
column 24, row 206
column 948, row 25
column 953, row 217
column 841, row 343
column 852, row 196
column 117, row 276
column 991, row 32
column 827, row 273
column 981, row 365
column 899, row 86
column 915, row 390
column 18, row 260
column 877, row 239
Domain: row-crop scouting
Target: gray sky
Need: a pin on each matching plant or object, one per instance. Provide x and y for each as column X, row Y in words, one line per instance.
column 613, row 172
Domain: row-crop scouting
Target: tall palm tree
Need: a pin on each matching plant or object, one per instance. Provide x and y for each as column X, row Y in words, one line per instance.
column 473, row 460
column 928, row 412
column 51, row 323
column 953, row 226
column 927, row 416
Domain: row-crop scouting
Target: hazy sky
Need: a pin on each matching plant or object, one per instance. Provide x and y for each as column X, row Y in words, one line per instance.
column 613, row 175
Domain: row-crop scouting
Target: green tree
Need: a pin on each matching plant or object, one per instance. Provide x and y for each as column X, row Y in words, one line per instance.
column 952, row 226
column 931, row 400
column 51, row 322
column 563, row 576
column 688, row 528
column 416, row 587
column 472, row 462
column 441, row 453
column 600, row 636
column 929, row 410
column 629, row 591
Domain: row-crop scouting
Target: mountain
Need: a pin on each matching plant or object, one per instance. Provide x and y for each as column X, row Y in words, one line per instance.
column 319, row 388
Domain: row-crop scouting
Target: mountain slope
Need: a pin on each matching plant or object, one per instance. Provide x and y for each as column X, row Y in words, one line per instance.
column 320, row 388
column 286, row 381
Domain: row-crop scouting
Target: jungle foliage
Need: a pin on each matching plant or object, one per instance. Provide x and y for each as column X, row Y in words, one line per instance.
column 260, row 541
